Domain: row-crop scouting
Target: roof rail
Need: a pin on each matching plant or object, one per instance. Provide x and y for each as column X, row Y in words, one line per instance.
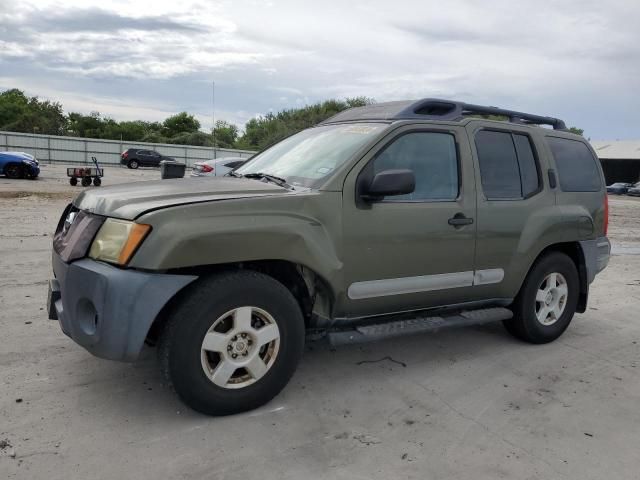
column 436, row 109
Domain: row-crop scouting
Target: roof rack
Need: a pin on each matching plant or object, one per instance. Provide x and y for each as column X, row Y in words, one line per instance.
column 436, row 109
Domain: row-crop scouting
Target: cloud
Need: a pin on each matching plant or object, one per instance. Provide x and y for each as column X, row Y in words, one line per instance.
column 577, row 59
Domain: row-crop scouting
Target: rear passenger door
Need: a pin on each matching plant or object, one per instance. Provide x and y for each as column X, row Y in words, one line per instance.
column 515, row 205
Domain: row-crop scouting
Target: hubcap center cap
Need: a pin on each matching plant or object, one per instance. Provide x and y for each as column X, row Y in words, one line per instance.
column 239, row 345
column 549, row 298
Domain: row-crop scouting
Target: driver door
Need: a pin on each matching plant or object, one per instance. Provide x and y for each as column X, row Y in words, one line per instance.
column 403, row 253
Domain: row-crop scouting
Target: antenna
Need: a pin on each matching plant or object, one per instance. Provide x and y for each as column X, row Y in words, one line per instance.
column 213, row 115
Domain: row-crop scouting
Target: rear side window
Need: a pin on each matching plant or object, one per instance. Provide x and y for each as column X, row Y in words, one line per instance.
column 508, row 167
column 577, row 168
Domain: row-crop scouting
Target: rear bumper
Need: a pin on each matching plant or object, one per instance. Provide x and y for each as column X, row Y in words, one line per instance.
column 108, row 310
column 596, row 255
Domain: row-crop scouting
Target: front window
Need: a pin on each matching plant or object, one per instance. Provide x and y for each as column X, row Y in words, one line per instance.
column 307, row 158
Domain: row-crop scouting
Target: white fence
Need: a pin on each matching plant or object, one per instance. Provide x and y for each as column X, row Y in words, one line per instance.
column 54, row 149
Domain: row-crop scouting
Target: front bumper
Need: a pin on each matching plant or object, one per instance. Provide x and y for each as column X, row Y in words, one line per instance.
column 108, row 310
column 32, row 169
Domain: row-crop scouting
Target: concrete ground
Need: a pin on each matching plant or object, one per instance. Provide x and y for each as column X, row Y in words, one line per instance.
column 471, row 403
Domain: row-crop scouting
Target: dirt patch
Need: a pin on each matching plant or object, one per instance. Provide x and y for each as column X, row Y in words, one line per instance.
column 47, row 195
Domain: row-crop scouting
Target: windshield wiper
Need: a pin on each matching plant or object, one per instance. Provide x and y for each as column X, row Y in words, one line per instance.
column 272, row 178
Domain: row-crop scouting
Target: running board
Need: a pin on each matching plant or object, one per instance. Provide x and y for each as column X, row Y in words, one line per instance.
column 381, row 331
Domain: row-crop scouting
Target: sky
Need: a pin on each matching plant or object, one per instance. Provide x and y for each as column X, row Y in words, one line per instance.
column 578, row 60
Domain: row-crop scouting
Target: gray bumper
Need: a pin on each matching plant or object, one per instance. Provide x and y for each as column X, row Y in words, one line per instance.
column 596, row 255
column 108, row 310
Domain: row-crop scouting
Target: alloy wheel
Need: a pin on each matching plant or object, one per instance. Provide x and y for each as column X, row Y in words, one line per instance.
column 240, row 347
column 551, row 299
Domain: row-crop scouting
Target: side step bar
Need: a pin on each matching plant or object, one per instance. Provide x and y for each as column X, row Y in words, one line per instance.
column 380, row 331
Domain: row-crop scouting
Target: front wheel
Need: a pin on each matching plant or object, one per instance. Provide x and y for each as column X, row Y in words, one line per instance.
column 232, row 343
column 547, row 301
column 13, row 171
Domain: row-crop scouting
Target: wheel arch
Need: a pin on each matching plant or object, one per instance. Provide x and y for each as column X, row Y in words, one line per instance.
column 312, row 292
column 574, row 251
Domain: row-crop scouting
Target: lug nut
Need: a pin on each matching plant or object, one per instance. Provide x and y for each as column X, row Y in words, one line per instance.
column 229, row 348
column 234, row 355
column 235, row 337
column 243, row 335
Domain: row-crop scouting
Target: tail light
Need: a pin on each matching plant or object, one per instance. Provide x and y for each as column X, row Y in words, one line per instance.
column 606, row 213
column 207, row 168
column 125, row 154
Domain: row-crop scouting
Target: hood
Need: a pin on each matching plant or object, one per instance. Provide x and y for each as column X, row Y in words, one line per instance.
column 131, row 200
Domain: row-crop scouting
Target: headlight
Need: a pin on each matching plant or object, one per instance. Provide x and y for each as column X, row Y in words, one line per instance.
column 117, row 240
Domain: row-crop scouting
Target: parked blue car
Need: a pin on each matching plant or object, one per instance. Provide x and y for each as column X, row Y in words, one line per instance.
column 18, row 165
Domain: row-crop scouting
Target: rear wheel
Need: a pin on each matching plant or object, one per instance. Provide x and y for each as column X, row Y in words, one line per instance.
column 232, row 343
column 547, row 301
column 97, row 181
column 86, row 181
column 13, row 170
column 133, row 164
column 73, row 181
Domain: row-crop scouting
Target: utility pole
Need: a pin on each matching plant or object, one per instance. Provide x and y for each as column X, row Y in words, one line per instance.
column 213, row 115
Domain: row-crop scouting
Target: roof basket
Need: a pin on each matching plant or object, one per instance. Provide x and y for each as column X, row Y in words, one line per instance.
column 436, row 109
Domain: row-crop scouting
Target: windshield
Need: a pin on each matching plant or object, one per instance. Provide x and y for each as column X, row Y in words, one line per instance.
column 306, row 158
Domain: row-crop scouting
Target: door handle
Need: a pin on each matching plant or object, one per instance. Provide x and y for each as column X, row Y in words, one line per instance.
column 459, row 220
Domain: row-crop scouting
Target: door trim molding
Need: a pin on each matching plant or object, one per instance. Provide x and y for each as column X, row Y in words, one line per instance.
column 423, row 283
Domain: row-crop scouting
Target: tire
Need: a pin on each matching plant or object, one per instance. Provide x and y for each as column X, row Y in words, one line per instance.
column 86, row 181
column 97, row 181
column 13, row 170
column 73, row 181
column 539, row 314
column 224, row 300
column 133, row 164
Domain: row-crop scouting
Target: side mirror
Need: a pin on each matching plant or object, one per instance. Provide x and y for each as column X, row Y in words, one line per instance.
column 388, row 183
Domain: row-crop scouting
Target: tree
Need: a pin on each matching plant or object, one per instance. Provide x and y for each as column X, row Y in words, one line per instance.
column 85, row 125
column 20, row 113
column 154, row 137
column 192, row 138
column 225, row 134
column 180, row 123
column 263, row 131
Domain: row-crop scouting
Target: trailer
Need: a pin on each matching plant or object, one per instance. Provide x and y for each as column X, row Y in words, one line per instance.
column 86, row 174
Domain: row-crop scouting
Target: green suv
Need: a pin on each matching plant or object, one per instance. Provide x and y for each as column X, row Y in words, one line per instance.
column 390, row 219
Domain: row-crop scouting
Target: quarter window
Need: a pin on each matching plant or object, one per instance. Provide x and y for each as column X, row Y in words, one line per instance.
column 432, row 158
column 508, row 167
column 576, row 165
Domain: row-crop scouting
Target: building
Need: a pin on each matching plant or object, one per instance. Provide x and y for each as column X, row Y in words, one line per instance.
column 620, row 159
